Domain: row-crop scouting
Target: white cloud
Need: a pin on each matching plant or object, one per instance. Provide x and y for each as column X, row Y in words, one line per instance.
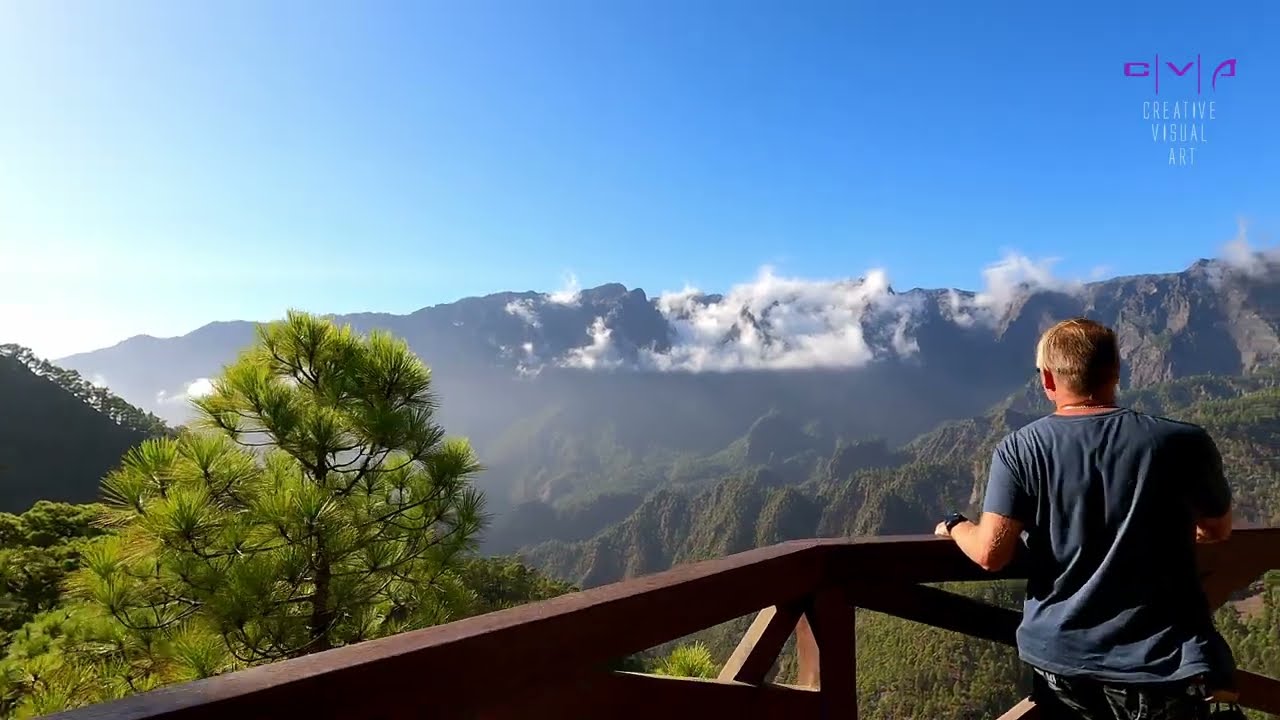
column 1014, row 277
column 959, row 306
column 902, row 343
column 1237, row 253
column 776, row 322
column 524, row 310
column 1240, row 256
column 569, row 294
column 199, row 388
column 195, row 389
column 599, row 354
column 1005, row 282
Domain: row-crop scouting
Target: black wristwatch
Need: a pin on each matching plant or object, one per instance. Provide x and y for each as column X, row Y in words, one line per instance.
column 953, row 520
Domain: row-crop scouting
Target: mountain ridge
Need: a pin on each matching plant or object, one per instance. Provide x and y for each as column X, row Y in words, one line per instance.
column 514, row 324
column 572, row 393
column 510, row 295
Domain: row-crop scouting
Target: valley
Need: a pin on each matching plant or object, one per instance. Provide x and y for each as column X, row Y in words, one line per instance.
column 591, row 475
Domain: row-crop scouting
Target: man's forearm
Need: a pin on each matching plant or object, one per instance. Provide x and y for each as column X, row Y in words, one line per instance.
column 991, row 542
column 968, row 536
column 984, row 543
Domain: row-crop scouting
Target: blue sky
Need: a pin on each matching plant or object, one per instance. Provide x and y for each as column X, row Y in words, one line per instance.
column 167, row 164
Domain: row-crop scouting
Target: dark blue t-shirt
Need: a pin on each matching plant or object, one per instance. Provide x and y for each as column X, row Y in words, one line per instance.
column 1109, row 503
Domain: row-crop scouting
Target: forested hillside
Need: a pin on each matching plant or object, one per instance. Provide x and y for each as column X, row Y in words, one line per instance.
column 58, row 433
column 906, row 670
column 747, row 496
column 254, row 537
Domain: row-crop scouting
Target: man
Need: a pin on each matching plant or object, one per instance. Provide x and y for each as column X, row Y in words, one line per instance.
column 1115, row 623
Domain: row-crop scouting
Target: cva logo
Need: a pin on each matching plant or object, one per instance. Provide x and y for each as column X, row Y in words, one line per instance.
column 1226, row 68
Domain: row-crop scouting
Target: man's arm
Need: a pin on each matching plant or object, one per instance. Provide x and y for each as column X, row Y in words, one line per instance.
column 1210, row 493
column 993, row 541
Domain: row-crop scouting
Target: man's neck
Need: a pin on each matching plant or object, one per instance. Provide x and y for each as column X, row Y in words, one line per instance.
column 1084, row 405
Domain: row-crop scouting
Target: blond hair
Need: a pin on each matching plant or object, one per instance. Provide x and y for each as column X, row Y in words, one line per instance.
column 1082, row 355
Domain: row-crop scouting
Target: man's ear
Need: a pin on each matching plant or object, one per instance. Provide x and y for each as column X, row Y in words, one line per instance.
column 1046, row 379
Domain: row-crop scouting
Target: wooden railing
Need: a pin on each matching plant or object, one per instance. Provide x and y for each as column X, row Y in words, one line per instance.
column 550, row 659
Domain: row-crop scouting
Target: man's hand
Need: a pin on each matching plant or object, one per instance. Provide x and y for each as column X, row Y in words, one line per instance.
column 1212, row 530
column 941, row 530
column 991, row 542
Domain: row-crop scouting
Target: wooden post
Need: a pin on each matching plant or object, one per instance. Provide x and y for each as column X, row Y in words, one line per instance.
column 807, row 674
column 830, row 630
column 752, row 660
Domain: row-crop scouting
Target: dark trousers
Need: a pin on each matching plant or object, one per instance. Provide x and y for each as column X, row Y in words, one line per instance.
column 1069, row 698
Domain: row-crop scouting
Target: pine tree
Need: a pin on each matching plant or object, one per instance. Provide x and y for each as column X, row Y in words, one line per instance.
column 314, row 503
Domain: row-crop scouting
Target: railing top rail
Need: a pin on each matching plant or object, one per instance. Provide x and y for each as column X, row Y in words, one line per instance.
column 503, row 651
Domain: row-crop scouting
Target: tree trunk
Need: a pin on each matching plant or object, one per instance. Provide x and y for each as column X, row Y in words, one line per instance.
column 321, row 613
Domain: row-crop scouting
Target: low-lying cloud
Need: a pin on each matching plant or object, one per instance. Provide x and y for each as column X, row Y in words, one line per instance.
column 1240, row 256
column 1015, row 276
column 524, row 310
column 776, row 322
column 197, row 388
column 1005, row 282
column 570, row 291
column 599, row 354
column 569, row 294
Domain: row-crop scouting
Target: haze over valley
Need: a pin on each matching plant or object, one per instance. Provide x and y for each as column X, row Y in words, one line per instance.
column 580, row 391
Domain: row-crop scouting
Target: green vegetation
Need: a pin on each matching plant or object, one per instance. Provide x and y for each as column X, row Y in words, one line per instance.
column 316, row 503
column 347, row 527
column 58, row 433
column 98, row 398
column 866, row 488
column 1253, row 630
column 907, row 670
column 692, row 660
column 37, row 551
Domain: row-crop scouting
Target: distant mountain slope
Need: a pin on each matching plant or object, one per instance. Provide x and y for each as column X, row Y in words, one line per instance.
column 58, row 434
column 565, row 395
column 1210, row 318
column 864, row 489
column 631, row 432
